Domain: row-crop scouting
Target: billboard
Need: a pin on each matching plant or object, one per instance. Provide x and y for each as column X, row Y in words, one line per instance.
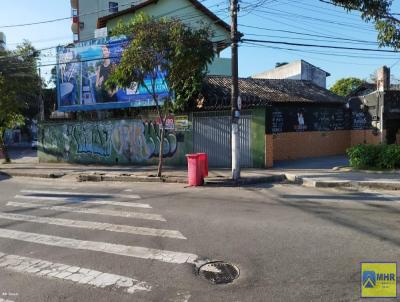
column 83, row 70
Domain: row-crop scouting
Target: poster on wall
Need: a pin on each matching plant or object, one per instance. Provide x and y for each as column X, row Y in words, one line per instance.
column 182, row 123
column 297, row 119
column 83, row 71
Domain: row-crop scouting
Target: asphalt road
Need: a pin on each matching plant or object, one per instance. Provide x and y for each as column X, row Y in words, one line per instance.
column 67, row 241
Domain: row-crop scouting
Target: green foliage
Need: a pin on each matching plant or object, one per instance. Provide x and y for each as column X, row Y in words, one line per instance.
column 168, row 45
column 374, row 156
column 19, row 85
column 380, row 12
column 344, row 86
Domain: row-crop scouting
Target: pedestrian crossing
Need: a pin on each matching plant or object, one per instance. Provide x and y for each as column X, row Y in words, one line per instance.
column 78, row 200
column 92, row 206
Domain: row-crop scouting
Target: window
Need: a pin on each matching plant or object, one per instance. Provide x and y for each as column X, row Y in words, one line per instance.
column 113, row 7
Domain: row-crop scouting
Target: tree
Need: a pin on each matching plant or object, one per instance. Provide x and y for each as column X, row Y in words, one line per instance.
column 163, row 46
column 19, row 86
column 344, row 86
column 380, row 12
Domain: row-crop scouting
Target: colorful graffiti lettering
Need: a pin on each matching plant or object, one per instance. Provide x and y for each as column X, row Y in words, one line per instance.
column 93, row 138
column 139, row 141
column 133, row 141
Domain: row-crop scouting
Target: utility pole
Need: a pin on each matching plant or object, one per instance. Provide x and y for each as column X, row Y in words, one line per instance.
column 235, row 92
column 41, row 102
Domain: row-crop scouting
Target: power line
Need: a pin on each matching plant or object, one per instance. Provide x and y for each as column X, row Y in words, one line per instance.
column 302, row 52
column 320, row 46
column 330, row 53
column 294, row 15
column 309, row 35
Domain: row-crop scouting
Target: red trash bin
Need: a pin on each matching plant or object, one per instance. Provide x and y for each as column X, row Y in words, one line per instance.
column 203, row 158
column 195, row 177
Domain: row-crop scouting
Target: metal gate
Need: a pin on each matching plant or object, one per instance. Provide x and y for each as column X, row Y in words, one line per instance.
column 212, row 135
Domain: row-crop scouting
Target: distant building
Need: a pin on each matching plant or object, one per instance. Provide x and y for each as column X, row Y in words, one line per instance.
column 2, row 40
column 298, row 70
column 85, row 14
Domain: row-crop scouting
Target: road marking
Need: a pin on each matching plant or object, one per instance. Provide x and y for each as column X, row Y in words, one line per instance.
column 110, row 248
column 81, row 200
column 80, row 194
column 75, row 209
column 95, row 225
column 2, row 300
column 79, row 275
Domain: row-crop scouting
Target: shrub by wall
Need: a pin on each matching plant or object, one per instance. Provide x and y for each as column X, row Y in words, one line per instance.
column 374, row 156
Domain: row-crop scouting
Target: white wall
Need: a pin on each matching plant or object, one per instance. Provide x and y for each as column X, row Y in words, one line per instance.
column 90, row 20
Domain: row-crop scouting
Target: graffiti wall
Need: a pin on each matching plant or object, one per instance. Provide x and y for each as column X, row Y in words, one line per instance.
column 113, row 142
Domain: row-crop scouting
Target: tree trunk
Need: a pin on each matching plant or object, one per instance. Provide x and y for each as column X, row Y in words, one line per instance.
column 161, row 157
column 3, row 148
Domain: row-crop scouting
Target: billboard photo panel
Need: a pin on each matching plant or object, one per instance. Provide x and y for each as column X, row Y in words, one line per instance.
column 83, row 71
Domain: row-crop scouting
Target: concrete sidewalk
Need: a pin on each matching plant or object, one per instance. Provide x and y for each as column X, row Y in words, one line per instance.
column 133, row 173
column 332, row 172
column 317, row 172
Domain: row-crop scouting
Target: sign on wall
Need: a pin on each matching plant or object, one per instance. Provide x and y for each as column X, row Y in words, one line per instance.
column 83, row 71
column 300, row 119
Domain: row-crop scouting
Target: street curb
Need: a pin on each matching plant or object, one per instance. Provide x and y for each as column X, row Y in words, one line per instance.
column 34, row 175
column 227, row 182
column 102, row 177
column 311, row 183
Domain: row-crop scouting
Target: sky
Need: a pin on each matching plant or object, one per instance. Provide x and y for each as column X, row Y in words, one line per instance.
column 313, row 22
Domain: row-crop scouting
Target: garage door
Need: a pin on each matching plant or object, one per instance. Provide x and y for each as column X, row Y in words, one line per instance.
column 212, row 135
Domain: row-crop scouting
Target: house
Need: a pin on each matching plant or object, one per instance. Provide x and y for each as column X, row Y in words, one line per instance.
column 100, row 16
column 298, row 70
column 280, row 120
column 376, row 109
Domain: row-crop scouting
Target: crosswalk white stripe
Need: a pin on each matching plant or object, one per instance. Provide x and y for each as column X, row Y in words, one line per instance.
column 95, row 225
column 76, row 209
column 81, row 194
column 5, row 300
column 78, row 200
column 110, row 248
column 79, row 275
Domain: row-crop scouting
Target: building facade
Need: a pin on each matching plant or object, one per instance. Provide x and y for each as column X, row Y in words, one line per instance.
column 91, row 16
column 280, row 120
column 85, row 14
column 298, row 70
column 378, row 106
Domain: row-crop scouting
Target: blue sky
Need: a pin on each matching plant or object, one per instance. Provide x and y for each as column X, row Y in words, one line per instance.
column 301, row 16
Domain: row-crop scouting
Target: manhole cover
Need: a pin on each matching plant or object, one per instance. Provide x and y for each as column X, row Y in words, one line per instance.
column 219, row 272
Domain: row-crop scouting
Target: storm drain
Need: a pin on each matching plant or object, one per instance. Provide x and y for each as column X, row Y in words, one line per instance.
column 219, row 272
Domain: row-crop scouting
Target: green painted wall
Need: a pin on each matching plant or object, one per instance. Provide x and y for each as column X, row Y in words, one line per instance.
column 258, row 137
column 181, row 9
column 129, row 141
column 184, row 10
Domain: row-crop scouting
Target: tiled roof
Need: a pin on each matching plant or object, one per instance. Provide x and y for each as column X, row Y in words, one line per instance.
column 260, row 92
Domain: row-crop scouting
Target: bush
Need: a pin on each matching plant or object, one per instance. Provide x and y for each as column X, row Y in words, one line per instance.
column 374, row 156
column 390, row 157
